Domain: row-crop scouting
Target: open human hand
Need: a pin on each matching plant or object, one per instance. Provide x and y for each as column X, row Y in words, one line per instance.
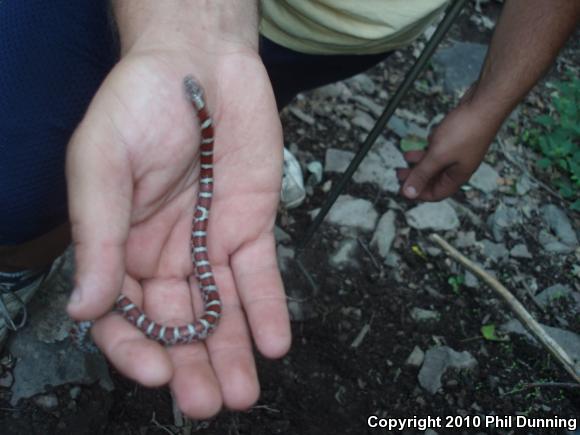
column 132, row 171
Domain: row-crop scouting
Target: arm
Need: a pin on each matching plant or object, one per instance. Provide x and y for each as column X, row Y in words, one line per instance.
column 526, row 41
column 132, row 174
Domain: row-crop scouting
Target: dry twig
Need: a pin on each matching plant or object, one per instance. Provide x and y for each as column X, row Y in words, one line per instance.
column 521, row 313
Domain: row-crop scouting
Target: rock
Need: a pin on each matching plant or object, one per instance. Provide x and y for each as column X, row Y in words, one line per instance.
column 569, row 341
column 465, row 239
column 485, row 178
column 363, row 120
column 398, row 126
column 345, row 256
column 552, row 244
column 378, row 167
column 75, row 392
column 523, row 185
column 393, row 260
column 559, row 223
column 302, row 116
column 438, row 360
column 557, row 292
column 503, row 220
column 420, row 315
column 46, row 401
column 459, row 64
column 470, row 280
column 354, row 213
column 520, row 251
column 334, row 90
column 280, row 235
column 369, row 104
column 285, row 256
column 416, row 358
column 496, row 252
column 362, row 82
column 438, row 216
column 337, row 160
column 46, row 356
column 385, row 233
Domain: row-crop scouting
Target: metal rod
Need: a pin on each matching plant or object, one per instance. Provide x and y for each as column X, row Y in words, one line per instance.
column 450, row 16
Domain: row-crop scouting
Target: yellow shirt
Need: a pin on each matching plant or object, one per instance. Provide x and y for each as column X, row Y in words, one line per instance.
column 346, row 26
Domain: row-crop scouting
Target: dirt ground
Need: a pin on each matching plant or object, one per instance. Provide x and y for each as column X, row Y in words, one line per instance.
column 325, row 385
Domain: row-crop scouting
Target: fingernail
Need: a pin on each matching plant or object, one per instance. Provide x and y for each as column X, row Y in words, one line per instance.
column 75, row 297
column 410, row 191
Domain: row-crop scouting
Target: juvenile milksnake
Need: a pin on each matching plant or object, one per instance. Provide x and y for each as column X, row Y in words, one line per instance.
column 203, row 326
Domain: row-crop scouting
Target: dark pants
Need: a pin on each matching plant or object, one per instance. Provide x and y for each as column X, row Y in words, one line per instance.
column 53, row 57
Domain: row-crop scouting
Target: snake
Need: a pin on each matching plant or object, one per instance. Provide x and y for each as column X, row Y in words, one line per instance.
column 201, row 328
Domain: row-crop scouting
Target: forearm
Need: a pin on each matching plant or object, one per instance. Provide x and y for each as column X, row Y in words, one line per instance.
column 180, row 23
column 526, row 41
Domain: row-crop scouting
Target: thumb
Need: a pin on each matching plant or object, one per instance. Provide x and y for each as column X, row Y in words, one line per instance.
column 421, row 175
column 99, row 192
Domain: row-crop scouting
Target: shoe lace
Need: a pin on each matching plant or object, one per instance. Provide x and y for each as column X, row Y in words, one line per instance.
column 11, row 283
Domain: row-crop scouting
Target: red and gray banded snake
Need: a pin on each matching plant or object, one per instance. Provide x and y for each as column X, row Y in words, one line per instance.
column 204, row 325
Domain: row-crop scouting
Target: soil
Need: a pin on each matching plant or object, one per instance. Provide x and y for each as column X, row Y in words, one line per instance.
column 326, row 385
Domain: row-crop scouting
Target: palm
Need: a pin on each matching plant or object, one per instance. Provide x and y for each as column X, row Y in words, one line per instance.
column 152, row 169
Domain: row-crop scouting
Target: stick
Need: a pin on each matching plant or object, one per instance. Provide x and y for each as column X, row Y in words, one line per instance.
column 521, row 313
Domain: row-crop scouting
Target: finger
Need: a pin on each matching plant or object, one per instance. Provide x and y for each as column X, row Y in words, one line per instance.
column 230, row 348
column 99, row 191
column 403, row 173
column 127, row 348
column 445, row 184
column 262, row 293
column 414, row 156
column 421, row 175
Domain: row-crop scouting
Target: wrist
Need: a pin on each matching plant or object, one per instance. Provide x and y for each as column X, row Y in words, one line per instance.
column 211, row 26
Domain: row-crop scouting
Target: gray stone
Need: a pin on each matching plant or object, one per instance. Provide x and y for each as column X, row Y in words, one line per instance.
column 280, row 235
column 46, row 401
column 421, row 315
column 503, row 220
column 398, row 126
column 438, row 360
column 378, row 167
column 337, row 160
column 523, row 185
column 385, row 233
column 438, row 216
column 459, row 64
column 552, row 244
column 485, row 178
column 354, row 213
column 363, row 120
column 559, row 223
column 416, row 358
column 46, row 356
column 496, row 252
column 75, row 392
column 465, row 239
column 301, row 115
column 345, row 256
column 557, row 292
column 285, row 256
column 333, row 90
column 569, row 341
column 369, row 104
column 520, row 251
column 470, row 280
column 363, row 82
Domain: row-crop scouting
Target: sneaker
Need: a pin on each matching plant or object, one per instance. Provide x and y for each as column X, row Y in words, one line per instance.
column 293, row 192
column 16, row 290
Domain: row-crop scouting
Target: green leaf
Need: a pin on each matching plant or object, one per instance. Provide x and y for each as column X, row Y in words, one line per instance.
column 544, row 163
column 576, row 205
column 546, row 121
column 413, row 143
column 489, row 333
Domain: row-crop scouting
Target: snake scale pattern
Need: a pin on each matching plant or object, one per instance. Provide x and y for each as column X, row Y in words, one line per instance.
column 205, row 325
